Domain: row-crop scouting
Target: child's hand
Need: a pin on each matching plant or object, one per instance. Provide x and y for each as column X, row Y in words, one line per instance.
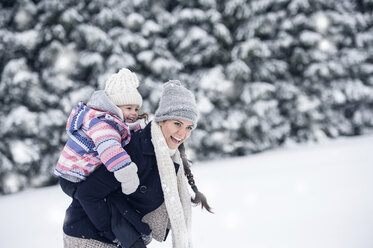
column 128, row 178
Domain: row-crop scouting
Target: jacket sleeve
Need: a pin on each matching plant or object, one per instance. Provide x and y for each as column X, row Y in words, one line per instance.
column 92, row 194
column 108, row 143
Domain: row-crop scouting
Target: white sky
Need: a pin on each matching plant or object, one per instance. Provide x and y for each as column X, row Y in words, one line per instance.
column 308, row 196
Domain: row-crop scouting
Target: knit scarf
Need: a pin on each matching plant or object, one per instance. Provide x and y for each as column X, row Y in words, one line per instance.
column 175, row 189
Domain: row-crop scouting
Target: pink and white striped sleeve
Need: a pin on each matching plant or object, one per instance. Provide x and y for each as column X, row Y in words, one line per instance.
column 107, row 141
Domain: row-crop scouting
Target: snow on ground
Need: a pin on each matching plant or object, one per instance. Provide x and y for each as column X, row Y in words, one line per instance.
column 308, row 196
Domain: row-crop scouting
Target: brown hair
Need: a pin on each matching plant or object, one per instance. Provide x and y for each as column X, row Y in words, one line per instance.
column 143, row 116
column 199, row 197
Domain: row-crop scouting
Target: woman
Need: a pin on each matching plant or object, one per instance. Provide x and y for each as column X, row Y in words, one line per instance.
column 160, row 203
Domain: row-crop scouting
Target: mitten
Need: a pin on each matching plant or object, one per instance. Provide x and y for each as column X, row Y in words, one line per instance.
column 128, row 178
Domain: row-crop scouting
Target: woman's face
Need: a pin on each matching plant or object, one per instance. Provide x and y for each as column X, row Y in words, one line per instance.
column 176, row 132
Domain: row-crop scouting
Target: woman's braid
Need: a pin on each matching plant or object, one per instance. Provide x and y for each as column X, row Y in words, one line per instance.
column 199, row 197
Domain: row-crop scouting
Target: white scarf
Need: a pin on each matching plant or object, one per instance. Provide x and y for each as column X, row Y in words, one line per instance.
column 175, row 190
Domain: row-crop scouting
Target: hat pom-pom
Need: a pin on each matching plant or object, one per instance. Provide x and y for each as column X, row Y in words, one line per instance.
column 128, row 77
column 172, row 83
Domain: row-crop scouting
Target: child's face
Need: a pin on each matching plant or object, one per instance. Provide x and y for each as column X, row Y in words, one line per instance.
column 130, row 112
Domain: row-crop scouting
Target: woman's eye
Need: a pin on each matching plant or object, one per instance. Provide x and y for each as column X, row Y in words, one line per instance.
column 190, row 128
column 178, row 124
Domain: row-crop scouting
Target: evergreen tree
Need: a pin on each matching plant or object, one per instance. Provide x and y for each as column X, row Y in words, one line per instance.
column 265, row 72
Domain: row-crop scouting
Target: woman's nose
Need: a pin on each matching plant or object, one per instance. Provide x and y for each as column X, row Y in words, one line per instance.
column 181, row 132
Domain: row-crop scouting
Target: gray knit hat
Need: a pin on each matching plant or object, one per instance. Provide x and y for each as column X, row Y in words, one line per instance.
column 121, row 88
column 177, row 102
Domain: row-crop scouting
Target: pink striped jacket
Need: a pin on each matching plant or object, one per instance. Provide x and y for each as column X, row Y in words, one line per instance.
column 95, row 137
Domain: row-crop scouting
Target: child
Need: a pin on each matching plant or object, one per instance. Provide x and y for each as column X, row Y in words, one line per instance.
column 98, row 131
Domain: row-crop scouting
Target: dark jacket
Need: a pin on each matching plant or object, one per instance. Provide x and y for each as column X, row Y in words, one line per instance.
column 89, row 214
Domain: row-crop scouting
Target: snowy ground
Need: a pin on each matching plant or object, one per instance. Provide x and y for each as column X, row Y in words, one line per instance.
column 300, row 197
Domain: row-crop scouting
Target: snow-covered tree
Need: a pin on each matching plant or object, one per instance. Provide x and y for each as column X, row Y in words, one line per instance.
column 264, row 72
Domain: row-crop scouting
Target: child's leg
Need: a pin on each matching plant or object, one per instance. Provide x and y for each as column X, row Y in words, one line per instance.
column 68, row 187
column 92, row 193
column 124, row 231
column 139, row 244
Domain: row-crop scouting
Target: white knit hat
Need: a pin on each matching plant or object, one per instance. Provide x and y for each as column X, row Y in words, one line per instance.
column 121, row 88
column 177, row 102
